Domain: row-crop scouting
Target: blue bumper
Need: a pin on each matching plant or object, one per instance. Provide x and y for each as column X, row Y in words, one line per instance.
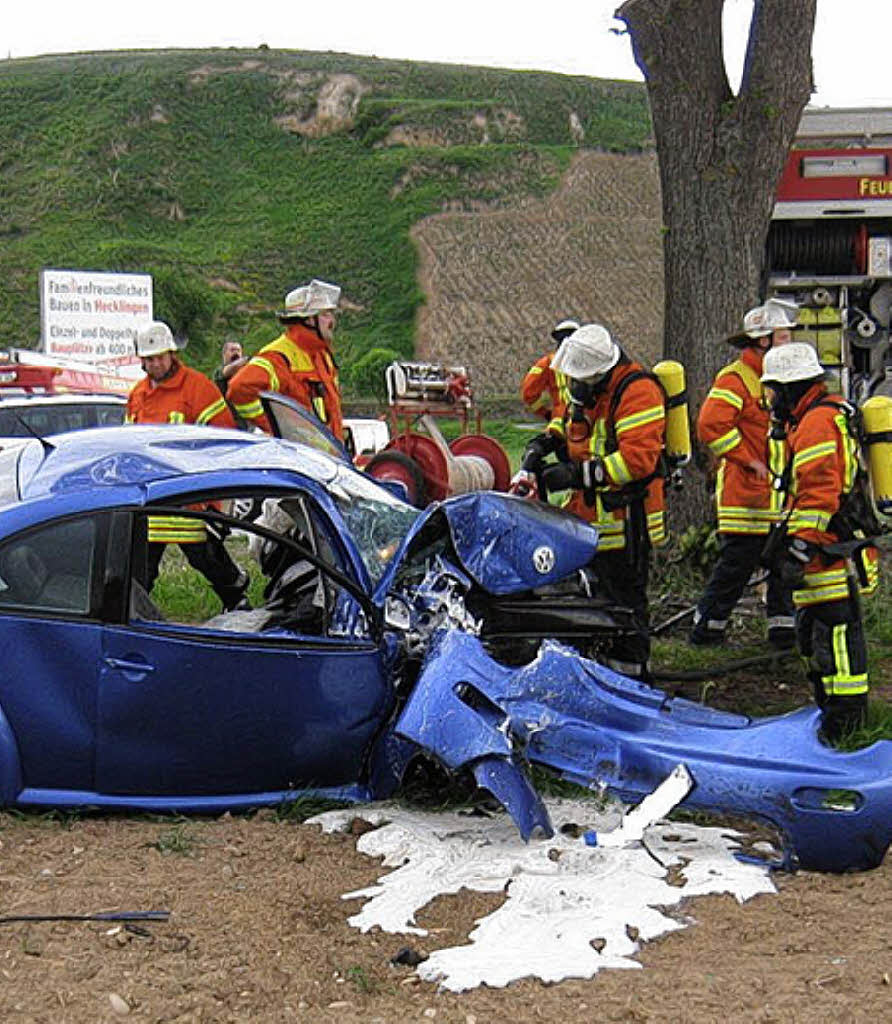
column 599, row 728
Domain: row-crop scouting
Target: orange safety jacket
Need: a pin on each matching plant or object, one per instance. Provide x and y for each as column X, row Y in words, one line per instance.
column 823, row 466
column 630, row 447
column 544, row 391
column 734, row 425
column 187, row 396
column 303, row 369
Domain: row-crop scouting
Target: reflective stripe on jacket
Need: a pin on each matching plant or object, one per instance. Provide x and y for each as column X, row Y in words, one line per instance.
column 302, row 369
column 823, row 467
column 734, row 425
column 639, row 427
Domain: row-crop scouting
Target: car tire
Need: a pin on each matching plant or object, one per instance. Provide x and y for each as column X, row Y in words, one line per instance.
column 399, row 467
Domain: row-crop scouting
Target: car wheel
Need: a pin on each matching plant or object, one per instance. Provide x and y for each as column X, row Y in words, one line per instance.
column 397, row 466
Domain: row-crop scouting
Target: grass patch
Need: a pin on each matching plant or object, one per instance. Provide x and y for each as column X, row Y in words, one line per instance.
column 177, row 841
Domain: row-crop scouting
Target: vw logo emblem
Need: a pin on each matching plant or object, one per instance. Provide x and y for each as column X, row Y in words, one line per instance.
column 543, row 560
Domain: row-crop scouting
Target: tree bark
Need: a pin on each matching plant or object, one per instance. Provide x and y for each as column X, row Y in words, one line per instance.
column 720, row 158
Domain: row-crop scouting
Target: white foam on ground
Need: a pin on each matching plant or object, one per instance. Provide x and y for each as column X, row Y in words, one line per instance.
column 562, row 896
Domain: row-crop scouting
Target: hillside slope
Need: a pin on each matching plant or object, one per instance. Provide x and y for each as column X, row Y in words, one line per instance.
column 232, row 175
column 497, row 282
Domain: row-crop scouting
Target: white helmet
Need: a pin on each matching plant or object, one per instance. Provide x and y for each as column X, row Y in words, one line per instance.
column 790, row 363
column 154, row 338
column 310, row 300
column 563, row 329
column 775, row 315
column 587, row 352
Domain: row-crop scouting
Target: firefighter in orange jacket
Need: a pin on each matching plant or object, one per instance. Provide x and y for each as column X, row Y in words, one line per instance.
column 174, row 393
column 299, row 363
column 734, row 425
column 823, row 464
column 613, row 434
column 544, row 391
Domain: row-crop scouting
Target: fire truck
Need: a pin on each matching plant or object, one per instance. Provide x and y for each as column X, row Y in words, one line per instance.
column 25, row 372
column 829, row 246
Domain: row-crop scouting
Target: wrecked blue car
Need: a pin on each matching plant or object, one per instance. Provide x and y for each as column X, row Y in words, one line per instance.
column 377, row 634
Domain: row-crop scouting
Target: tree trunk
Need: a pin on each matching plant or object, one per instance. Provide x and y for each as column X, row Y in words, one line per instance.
column 720, row 158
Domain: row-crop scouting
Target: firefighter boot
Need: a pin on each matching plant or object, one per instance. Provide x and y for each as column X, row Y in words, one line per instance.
column 706, row 632
column 841, row 716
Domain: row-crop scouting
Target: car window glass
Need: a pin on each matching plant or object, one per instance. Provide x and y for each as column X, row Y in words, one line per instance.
column 49, row 569
column 46, row 419
column 236, row 580
column 377, row 520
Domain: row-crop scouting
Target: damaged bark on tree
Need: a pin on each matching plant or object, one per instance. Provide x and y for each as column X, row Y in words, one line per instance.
column 720, row 157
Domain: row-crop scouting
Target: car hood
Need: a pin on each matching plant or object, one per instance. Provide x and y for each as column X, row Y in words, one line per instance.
column 504, row 543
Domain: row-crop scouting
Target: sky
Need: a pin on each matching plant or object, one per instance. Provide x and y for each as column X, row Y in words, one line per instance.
column 850, row 50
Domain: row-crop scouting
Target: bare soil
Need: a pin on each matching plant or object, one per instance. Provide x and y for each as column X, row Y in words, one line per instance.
column 498, row 281
column 258, row 931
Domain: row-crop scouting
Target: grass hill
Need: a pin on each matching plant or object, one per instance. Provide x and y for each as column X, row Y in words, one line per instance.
column 233, row 175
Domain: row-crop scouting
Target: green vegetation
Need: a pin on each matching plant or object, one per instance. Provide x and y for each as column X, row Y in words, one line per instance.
column 229, row 177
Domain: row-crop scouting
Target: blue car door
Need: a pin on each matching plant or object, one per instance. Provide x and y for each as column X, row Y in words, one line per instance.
column 235, row 705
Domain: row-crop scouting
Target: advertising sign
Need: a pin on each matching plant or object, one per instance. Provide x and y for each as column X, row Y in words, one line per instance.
column 92, row 316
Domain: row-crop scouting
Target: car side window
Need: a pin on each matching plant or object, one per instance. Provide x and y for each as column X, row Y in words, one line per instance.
column 239, row 580
column 50, row 569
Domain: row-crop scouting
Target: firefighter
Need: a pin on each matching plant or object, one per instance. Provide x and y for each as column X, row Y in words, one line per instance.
column 613, row 435
column 823, row 474
column 734, row 424
column 299, row 363
column 174, row 393
column 543, row 391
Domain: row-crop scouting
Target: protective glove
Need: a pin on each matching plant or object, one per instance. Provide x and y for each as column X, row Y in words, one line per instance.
column 791, row 568
column 537, row 450
column 524, row 485
column 562, row 476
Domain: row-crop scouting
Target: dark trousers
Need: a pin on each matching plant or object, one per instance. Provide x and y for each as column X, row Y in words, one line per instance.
column 623, row 576
column 831, row 636
column 212, row 560
column 738, row 559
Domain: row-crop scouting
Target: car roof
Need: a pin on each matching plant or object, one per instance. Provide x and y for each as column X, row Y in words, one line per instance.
column 120, row 457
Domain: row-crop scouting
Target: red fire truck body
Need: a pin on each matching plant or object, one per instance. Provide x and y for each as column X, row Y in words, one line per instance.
column 26, row 372
column 830, row 244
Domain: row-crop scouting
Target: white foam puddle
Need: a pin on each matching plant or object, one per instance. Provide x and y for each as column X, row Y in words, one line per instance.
column 571, row 909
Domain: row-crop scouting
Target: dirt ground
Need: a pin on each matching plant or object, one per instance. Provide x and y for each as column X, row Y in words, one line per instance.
column 258, row 931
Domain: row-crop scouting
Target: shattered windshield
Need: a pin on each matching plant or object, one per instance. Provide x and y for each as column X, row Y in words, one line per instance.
column 377, row 520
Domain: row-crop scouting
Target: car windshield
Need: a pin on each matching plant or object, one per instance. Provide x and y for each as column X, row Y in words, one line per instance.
column 377, row 520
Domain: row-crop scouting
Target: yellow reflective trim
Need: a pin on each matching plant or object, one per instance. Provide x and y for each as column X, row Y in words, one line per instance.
column 535, row 371
column 617, row 469
column 556, row 426
column 265, row 364
column 816, row 451
column 721, row 395
column 250, row 410
column 722, row 445
column 208, row 413
column 808, row 519
column 638, row 419
column 542, row 402
column 175, row 530
column 176, row 417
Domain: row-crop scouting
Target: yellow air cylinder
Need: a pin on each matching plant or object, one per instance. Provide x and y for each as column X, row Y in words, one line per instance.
column 877, row 415
column 678, row 430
